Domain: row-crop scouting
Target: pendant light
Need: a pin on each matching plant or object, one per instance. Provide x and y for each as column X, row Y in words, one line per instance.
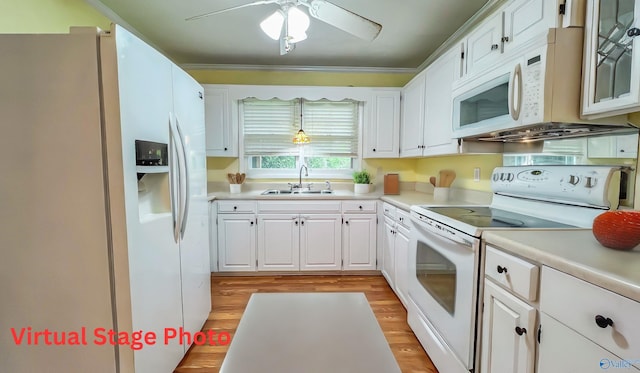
column 301, row 138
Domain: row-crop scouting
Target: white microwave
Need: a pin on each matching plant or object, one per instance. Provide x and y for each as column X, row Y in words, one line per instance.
column 541, row 85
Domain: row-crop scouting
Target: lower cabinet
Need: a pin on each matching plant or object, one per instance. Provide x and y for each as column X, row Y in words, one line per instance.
column 359, row 237
column 508, row 332
column 320, row 242
column 236, row 242
column 278, row 242
column 395, row 251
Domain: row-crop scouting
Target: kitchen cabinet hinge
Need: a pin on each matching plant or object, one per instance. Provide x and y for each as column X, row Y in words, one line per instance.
column 462, row 55
column 342, row 220
column 562, row 9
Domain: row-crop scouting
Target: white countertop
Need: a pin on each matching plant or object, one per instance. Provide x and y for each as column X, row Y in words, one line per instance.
column 577, row 253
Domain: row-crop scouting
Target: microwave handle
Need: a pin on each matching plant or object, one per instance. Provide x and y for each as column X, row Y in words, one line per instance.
column 515, row 88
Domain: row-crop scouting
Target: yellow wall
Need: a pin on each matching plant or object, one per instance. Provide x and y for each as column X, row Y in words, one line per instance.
column 48, row 16
column 463, row 165
column 312, row 78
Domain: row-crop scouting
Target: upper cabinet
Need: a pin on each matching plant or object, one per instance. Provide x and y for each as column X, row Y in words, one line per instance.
column 484, row 44
column 439, row 79
column 383, row 130
column 611, row 58
column 525, row 19
column 411, row 133
column 221, row 132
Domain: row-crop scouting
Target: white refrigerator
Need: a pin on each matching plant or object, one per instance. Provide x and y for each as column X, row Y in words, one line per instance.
column 92, row 242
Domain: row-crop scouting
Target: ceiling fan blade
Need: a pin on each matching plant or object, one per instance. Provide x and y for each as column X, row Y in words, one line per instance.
column 259, row 2
column 343, row 19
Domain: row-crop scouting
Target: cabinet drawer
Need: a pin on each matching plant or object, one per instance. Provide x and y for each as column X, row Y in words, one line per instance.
column 403, row 218
column 517, row 275
column 389, row 210
column 358, row 206
column 236, row 206
column 579, row 304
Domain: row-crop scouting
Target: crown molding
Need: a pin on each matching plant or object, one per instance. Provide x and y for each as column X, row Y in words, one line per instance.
column 333, row 69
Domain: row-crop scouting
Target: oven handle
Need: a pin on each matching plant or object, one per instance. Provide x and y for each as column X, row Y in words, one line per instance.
column 441, row 230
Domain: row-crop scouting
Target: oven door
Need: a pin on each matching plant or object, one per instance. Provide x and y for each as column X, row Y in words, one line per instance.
column 443, row 267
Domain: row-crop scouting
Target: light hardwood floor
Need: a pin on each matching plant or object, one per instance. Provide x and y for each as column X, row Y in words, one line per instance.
column 231, row 294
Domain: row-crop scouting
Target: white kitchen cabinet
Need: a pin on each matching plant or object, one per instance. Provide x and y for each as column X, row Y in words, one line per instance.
column 236, row 242
column 278, row 242
column 508, row 332
column 413, row 114
column 438, row 122
column 395, row 251
column 620, row 146
column 484, row 44
column 401, row 252
column 388, row 252
column 383, row 130
column 220, row 131
column 527, row 19
column 563, row 350
column 213, row 236
column 611, row 69
column 359, row 239
column 320, row 242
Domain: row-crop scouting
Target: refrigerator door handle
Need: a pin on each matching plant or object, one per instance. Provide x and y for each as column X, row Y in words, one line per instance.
column 174, row 165
column 185, row 176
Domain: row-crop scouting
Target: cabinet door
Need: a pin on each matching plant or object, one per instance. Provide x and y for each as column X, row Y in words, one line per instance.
column 623, row 146
column 563, row 350
column 359, row 240
column 401, row 264
column 213, row 236
column 320, row 242
column 438, row 125
column 236, row 242
column 483, row 44
column 611, row 54
column 221, row 134
column 527, row 19
column 388, row 252
column 508, row 332
column 383, row 130
column 412, row 117
column 278, row 242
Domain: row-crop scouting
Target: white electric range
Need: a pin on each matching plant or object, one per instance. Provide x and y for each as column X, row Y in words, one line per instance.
column 444, row 251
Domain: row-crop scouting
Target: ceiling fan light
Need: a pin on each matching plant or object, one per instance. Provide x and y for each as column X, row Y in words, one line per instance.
column 297, row 23
column 272, row 25
column 301, row 138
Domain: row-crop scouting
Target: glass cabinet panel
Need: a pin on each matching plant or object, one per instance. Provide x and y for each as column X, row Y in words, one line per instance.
column 613, row 66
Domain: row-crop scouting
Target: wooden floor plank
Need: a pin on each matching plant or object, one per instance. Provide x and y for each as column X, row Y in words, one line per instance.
column 230, row 295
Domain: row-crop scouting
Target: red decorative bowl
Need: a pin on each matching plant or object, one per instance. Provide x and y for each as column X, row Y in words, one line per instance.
column 618, row 230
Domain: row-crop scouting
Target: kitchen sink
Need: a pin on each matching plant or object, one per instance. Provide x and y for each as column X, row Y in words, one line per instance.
column 270, row 192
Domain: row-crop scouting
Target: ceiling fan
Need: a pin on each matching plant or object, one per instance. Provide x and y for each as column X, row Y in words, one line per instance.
column 289, row 24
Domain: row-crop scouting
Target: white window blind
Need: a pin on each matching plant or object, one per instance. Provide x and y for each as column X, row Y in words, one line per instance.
column 269, row 127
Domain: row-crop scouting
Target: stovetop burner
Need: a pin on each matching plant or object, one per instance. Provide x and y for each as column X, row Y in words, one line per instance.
column 489, row 217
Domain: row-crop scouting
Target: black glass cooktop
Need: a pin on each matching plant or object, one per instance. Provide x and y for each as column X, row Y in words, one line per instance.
column 486, row 217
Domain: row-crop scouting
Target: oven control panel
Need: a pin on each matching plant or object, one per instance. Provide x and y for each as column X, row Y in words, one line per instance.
column 588, row 185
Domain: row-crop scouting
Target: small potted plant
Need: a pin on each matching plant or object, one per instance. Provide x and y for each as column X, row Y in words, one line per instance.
column 361, row 182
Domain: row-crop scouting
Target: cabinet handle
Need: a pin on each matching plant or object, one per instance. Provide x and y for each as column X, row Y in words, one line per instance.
column 633, row 32
column 301, row 222
column 296, row 222
column 505, row 39
column 603, row 322
column 360, row 207
column 401, row 219
column 374, row 149
column 494, row 47
column 502, row 269
column 251, row 223
column 235, row 208
column 520, row 331
column 225, row 149
column 346, row 222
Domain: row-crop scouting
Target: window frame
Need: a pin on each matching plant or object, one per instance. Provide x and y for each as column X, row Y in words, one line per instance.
column 335, row 174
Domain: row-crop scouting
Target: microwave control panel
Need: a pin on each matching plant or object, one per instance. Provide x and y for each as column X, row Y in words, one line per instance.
column 532, row 89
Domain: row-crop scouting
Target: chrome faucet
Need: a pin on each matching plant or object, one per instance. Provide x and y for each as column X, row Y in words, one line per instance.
column 306, row 173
